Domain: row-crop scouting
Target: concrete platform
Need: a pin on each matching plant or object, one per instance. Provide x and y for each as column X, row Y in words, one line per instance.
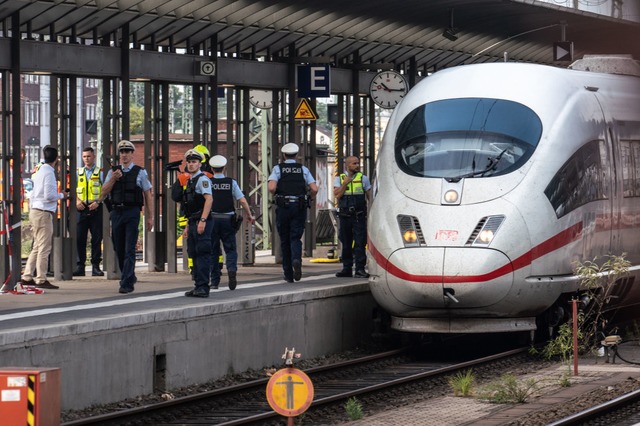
column 111, row 346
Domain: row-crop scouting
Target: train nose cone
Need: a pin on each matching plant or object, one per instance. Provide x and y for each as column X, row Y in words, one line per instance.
column 475, row 277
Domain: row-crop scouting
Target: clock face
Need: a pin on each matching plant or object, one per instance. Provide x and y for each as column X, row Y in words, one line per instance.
column 388, row 88
column 261, row 98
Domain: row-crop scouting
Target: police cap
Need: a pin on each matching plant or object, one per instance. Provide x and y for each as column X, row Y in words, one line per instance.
column 125, row 144
column 290, row 149
column 218, row 162
column 192, row 154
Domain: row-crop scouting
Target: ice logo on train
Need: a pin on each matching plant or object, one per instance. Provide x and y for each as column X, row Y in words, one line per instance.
column 492, row 180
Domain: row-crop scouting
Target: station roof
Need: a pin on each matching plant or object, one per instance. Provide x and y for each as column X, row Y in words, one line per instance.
column 345, row 32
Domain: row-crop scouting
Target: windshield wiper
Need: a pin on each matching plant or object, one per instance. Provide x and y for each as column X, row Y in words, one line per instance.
column 491, row 166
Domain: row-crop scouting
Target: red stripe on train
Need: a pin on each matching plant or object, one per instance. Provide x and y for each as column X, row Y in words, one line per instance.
column 557, row 241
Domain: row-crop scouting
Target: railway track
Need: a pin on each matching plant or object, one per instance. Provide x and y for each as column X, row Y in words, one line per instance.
column 371, row 379
column 624, row 410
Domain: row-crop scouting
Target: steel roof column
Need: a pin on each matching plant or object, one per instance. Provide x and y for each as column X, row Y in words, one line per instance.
column 11, row 91
column 356, row 148
column 369, row 160
column 310, row 160
column 246, row 248
column 276, row 131
column 156, row 143
column 110, row 131
column 341, row 143
column 63, row 254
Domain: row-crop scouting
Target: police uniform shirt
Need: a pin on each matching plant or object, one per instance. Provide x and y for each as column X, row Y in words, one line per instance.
column 366, row 184
column 142, row 181
column 89, row 171
column 235, row 189
column 275, row 173
column 203, row 186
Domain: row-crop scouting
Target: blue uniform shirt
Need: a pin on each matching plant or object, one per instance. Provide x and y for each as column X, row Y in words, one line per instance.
column 203, row 186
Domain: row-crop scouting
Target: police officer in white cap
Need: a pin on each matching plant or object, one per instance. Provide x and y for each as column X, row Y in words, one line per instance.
column 129, row 188
column 225, row 193
column 292, row 183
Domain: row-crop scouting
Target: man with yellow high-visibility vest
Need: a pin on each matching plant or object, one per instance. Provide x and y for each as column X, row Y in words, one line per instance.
column 89, row 205
column 352, row 189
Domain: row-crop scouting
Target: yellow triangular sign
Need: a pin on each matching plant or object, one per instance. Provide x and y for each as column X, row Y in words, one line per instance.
column 304, row 111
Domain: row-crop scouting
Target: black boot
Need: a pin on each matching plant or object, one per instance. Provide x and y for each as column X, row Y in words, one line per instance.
column 233, row 282
column 96, row 271
column 79, row 272
column 344, row 273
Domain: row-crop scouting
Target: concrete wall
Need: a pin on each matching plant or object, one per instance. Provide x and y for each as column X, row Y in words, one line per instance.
column 111, row 359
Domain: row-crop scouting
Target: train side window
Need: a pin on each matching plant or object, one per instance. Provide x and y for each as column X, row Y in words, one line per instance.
column 579, row 181
column 627, row 169
column 636, row 168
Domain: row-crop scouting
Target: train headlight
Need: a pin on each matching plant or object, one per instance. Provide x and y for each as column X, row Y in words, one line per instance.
column 410, row 231
column 485, row 231
column 410, row 237
column 486, row 236
column 451, row 196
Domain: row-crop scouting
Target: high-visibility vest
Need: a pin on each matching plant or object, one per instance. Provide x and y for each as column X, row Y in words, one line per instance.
column 354, row 194
column 89, row 190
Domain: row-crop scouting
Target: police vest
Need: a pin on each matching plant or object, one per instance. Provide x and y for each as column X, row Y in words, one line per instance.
column 126, row 192
column 192, row 201
column 354, row 194
column 291, row 180
column 222, row 191
column 88, row 190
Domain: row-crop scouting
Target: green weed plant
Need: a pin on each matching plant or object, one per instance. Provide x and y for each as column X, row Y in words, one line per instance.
column 353, row 407
column 462, row 383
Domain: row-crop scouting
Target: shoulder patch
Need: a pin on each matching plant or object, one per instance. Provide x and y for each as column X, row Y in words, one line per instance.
column 205, row 183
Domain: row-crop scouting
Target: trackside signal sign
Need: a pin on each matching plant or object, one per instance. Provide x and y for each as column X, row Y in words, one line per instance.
column 289, row 392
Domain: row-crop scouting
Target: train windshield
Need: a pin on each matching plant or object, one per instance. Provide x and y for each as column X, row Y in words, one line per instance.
column 465, row 138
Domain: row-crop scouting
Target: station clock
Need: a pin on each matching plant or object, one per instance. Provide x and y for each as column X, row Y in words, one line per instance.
column 261, row 98
column 388, row 88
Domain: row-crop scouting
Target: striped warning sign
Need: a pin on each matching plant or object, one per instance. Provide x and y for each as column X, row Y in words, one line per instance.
column 31, row 401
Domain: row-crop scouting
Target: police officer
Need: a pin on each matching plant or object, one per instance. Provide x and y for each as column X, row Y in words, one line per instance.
column 196, row 203
column 289, row 182
column 129, row 189
column 352, row 189
column 225, row 193
column 90, row 179
column 183, row 178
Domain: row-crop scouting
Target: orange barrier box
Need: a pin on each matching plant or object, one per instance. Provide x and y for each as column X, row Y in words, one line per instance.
column 30, row 396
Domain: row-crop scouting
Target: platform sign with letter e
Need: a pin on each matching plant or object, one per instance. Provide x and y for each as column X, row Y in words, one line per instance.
column 563, row 51
column 290, row 392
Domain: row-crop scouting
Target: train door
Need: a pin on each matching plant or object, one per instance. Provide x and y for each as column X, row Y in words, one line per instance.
column 623, row 141
column 626, row 146
column 608, row 219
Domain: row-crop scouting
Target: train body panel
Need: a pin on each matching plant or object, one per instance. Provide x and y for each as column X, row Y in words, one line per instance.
column 492, row 181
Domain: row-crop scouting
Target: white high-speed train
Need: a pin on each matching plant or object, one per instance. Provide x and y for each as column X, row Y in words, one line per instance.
column 492, row 180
